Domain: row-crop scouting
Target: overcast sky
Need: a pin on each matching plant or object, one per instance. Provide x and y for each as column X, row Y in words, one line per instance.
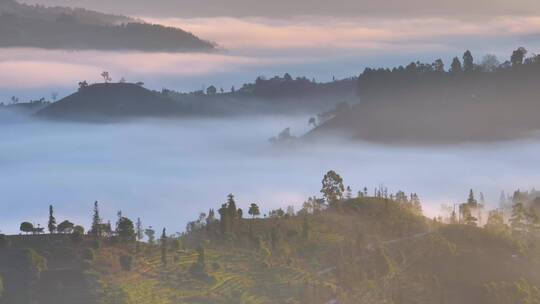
column 283, row 8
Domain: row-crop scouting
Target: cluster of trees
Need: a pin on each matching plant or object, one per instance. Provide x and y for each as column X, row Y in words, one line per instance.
column 517, row 214
column 274, row 87
column 64, row 227
column 374, row 83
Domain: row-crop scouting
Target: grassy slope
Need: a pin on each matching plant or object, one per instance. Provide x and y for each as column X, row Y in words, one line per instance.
column 375, row 252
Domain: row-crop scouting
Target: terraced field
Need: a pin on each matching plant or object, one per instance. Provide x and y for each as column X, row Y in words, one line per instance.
column 242, row 276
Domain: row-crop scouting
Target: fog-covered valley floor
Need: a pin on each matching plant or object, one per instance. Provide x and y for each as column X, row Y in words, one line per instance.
column 168, row 171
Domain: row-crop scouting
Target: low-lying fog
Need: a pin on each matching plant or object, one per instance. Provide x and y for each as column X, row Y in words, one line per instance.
column 168, row 171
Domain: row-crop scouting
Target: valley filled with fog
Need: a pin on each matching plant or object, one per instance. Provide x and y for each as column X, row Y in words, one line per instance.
column 168, row 170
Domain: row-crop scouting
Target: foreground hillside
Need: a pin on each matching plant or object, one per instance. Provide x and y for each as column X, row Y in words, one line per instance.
column 373, row 252
column 340, row 249
column 424, row 103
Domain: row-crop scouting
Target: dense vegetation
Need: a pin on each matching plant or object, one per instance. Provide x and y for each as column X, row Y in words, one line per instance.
column 425, row 102
column 341, row 248
column 25, row 26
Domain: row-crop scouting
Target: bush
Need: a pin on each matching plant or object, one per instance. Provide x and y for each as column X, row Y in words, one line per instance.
column 88, row 254
column 126, row 262
column 215, row 266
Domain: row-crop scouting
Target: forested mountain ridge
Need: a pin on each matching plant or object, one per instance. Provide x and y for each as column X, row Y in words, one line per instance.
column 425, row 103
column 65, row 28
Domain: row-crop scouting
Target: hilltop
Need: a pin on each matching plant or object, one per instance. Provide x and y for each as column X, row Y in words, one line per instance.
column 109, row 101
column 23, row 25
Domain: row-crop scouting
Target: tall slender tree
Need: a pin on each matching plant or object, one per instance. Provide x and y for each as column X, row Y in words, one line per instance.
column 163, row 243
column 96, row 222
column 468, row 62
column 52, row 221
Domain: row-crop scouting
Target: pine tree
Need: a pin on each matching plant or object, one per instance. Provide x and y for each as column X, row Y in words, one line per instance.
column 231, row 207
column 96, row 222
column 468, row 62
column 52, row 221
column 163, row 243
column 456, row 68
column 471, row 201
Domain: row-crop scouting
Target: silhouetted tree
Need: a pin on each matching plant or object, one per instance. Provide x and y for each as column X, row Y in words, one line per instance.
column 65, row 227
column 254, row 210
column 471, row 201
column 287, row 77
column 332, row 188
column 96, row 229
column 126, row 230
column 518, row 56
column 455, row 67
column 468, row 62
column 211, row 90
column 438, row 66
column 27, row 227
column 51, row 225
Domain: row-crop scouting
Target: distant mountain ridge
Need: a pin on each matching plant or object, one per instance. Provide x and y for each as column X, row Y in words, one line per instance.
column 24, row 25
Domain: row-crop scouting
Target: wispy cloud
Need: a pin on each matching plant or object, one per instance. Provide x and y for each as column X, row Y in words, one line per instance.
column 316, row 33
